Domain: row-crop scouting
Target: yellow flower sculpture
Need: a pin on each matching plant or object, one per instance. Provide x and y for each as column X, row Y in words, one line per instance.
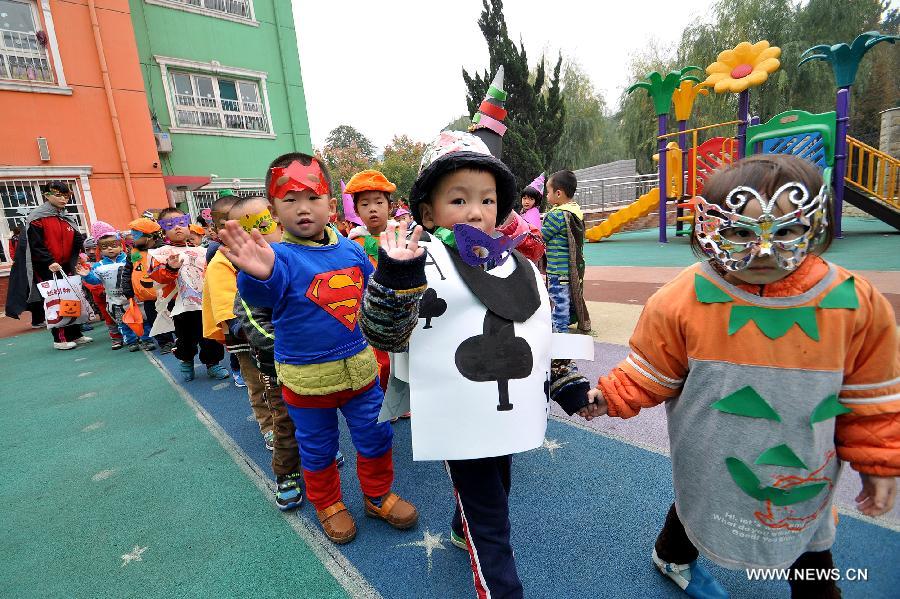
column 747, row 65
column 684, row 96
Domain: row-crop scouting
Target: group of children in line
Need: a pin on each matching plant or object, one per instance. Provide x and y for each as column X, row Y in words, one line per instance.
column 773, row 363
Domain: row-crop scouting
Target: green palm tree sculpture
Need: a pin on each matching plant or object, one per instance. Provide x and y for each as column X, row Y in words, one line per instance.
column 660, row 90
column 844, row 61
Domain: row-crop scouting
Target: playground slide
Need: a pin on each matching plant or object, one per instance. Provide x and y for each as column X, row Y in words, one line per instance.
column 640, row 207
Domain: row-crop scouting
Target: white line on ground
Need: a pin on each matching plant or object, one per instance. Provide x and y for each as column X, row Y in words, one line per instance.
column 339, row 566
column 887, row 523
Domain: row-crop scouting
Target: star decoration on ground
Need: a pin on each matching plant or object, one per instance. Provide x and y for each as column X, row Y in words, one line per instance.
column 134, row 556
column 552, row 445
column 429, row 543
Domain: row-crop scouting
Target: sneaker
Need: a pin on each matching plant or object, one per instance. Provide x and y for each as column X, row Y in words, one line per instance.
column 238, row 379
column 65, row 345
column 269, row 438
column 289, row 492
column 148, row 345
column 407, row 415
column 83, row 340
column 339, row 458
column 187, row 371
column 87, row 327
column 40, row 325
column 458, row 540
column 693, row 578
column 217, row 372
column 166, row 348
column 117, row 345
column 133, row 347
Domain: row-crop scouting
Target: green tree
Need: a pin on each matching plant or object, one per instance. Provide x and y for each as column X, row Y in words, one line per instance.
column 344, row 136
column 461, row 123
column 589, row 134
column 343, row 163
column 401, row 163
column 535, row 122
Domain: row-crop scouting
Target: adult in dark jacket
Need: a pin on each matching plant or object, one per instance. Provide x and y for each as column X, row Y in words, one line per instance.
column 53, row 245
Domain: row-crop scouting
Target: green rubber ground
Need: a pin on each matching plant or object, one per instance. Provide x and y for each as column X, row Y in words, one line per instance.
column 868, row 244
column 93, row 468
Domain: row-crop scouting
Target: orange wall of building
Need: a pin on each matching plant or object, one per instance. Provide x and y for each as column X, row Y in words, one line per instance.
column 78, row 127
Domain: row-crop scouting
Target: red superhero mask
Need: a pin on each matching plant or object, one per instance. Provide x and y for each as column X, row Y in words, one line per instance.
column 338, row 292
column 297, row 177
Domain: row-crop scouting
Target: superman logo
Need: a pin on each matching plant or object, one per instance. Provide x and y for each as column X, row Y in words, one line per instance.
column 338, row 292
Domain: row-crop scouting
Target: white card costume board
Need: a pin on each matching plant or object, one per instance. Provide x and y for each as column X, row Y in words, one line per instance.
column 110, row 276
column 453, row 416
column 163, row 322
column 189, row 284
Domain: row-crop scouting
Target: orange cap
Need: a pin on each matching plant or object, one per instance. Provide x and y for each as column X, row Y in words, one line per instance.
column 144, row 225
column 369, row 180
column 197, row 229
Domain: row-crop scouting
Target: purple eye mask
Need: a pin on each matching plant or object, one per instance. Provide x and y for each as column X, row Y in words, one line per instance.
column 477, row 247
column 176, row 221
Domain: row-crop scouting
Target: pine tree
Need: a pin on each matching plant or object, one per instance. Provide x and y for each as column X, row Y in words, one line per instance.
column 535, row 121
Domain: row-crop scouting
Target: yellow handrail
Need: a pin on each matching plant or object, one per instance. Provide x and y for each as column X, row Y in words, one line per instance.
column 880, row 177
column 677, row 133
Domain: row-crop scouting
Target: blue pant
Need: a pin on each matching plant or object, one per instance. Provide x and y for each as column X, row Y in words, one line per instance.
column 129, row 336
column 317, row 429
column 558, row 289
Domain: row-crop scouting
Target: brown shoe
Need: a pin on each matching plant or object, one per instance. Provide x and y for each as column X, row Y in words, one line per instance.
column 397, row 512
column 337, row 523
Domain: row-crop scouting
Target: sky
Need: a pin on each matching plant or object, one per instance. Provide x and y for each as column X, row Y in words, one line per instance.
column 395, row 66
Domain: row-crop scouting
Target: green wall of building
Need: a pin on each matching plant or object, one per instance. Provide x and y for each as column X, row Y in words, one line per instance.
column 270, row 47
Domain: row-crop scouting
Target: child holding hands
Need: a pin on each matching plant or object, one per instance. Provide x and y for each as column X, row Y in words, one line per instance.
column 774, row 366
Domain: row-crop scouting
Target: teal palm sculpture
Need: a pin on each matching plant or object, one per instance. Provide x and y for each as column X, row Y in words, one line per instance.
column 844, row 61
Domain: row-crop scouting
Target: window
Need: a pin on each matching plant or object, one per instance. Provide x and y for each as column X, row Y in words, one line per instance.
column 18, row 197
column 238, row 8
column 232, row 10
column 209, row 102
column 203, row 198
column 23, row 46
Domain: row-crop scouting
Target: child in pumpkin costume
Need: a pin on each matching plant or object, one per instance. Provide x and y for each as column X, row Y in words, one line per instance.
column 136, row 282
column 313, row 281
column 792, row 356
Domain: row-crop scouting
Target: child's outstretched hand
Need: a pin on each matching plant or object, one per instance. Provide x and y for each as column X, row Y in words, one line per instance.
column 397, row 246
column 877, row 495
column 248, row 251
column 82, row 270
column 596, row 405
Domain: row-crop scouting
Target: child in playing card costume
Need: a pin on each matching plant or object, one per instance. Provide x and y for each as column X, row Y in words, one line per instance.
column 179, row 267
column 774, row 366
column 470, row 319
column 313, row 281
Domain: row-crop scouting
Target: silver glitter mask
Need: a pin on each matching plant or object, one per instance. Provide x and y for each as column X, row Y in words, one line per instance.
column 734, row 240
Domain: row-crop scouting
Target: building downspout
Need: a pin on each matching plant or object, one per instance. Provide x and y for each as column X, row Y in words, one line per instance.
column 284, row 76
column 113, row 113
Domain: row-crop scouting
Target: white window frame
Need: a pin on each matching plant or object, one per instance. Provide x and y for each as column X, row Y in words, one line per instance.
column 75, row 176
column 45, row 19
column 214, row 69
column 209, row 12
column 202, row 198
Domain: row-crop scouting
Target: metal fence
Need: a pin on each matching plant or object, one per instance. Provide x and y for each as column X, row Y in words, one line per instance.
column 613, row 192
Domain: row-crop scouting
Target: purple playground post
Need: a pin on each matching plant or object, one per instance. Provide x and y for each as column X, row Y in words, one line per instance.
column 840, row 155
column 661, row 148
column 743, row 114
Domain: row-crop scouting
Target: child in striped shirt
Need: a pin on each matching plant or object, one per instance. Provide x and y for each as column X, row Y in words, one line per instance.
column 563, row 232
